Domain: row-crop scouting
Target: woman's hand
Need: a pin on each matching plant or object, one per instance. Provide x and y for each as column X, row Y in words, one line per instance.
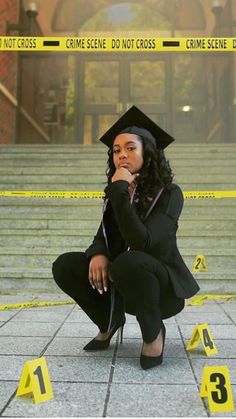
column 98, row 273
column 123, row 174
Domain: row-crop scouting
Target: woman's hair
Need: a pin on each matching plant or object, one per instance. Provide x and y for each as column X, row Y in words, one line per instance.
column 155, row 174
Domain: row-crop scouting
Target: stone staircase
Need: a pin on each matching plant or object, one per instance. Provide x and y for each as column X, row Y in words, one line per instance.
column 34, row 231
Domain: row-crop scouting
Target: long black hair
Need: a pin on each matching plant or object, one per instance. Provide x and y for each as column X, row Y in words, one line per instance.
column 155, row 174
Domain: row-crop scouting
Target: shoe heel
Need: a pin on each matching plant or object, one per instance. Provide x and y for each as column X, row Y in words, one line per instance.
column 121, row 334
column 99, row 345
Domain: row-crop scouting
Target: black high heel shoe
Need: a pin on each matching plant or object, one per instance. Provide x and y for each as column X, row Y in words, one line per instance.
column 147, row 362
column 99, row 345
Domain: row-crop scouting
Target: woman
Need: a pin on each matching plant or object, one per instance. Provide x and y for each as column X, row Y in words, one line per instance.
column 133, row 264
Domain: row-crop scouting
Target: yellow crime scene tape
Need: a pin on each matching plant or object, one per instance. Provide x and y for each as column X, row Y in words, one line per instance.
column 139, row 44
column 99, row 194
column 34, row 304
column 200, row 299
column 52, row 194
column 195, row 301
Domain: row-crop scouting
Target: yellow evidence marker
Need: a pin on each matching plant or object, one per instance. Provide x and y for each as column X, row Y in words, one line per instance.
column 202, row 332
column 217, row 388
column 35, row 381
column 200, row 264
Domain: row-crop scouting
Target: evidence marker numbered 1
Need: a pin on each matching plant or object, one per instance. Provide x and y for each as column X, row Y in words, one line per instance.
column 217, row 388
column 202, row 332
column 35, row 381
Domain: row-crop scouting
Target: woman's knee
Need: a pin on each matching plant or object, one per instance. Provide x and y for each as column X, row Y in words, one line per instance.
column 66, row 264
column 59, row 267
column 126, row 265
column 134, row 265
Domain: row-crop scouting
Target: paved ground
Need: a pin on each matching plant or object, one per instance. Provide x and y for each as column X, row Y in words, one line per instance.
column 110, row 383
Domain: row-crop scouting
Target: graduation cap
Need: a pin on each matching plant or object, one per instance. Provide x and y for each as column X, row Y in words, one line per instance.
column 136, row 122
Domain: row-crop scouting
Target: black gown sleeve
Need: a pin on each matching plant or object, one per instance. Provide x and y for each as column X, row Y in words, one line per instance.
column 159, row 226
column 98, row 246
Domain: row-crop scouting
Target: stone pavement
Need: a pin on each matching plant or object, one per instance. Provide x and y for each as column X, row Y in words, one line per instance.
column 110, row 383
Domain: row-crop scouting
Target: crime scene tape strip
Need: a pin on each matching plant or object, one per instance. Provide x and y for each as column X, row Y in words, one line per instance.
column 195, row 301
column 98, row 194
column 52, row 194
column 34, row 304
column 209, row 194
column 200, row 299
column 139, row 44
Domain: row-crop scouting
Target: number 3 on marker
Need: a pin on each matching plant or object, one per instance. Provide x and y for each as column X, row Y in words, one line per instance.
column 217, row 388
column 221, row 395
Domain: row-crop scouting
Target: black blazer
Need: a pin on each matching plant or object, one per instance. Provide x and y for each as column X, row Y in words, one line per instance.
column 156, row 236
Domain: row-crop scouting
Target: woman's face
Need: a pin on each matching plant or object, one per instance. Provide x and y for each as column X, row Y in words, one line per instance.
column 128, row 152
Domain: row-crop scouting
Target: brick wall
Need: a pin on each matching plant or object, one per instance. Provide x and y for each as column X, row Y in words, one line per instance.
column 9, row 11
column 30, row 82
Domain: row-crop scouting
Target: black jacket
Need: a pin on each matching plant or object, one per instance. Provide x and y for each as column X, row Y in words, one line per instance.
column 156, row 235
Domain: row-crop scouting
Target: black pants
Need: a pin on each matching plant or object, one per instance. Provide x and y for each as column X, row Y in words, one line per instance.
column 140, row 282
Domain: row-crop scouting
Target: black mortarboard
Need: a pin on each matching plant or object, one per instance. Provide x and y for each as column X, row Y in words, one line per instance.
column 136, row 122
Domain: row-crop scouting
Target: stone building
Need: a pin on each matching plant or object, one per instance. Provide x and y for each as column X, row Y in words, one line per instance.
column 73, row 97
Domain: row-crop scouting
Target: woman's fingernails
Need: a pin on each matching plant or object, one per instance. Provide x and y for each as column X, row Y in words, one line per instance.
column 105, row 288
column 93, row 287
column 100, row 291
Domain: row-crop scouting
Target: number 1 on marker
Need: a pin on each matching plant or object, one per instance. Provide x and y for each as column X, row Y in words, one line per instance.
column 39, row 374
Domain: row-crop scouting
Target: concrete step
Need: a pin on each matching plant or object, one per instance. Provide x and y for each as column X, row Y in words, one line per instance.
column 47, row 226
column 193, row 212
column 77, row 186
column 98, row 145
column 54, row 251
column 46, row 212
column 95, row 178
column 57, row 204
column 79, row 170
column 24, row 227
column 78, row 154
column 195, row 149
column 214, row 263
column 47, row 203
column 54, row 179
column 81, row 185
column 46, row 273
column 61, row 162
column 50, row 162
column 220, row 286
column 35, row 230
column 69, row 240
column 197, row 241
column 190, row 146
